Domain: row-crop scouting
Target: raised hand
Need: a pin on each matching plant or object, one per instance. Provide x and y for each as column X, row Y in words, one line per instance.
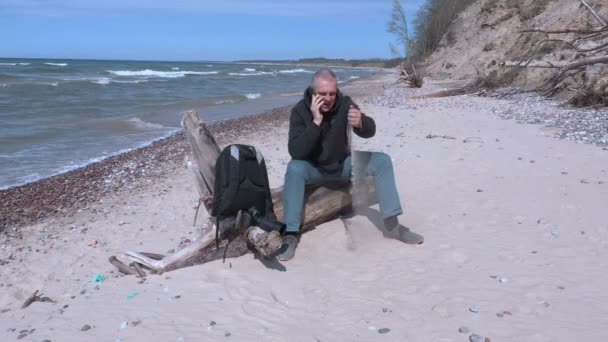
column 315, row 108
column 354, row 117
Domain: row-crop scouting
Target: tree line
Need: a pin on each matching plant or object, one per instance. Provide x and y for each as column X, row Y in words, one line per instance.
column 430, row 24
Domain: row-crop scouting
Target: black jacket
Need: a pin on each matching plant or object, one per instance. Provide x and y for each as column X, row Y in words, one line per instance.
column 326, row 146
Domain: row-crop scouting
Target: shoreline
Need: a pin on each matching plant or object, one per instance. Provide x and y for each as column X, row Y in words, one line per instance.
column 66, row 193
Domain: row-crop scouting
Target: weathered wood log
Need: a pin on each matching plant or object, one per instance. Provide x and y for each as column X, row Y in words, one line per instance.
column 140, row 272
column 204, row 151
column 323, row 202
column 173, row 261
column 122, row 267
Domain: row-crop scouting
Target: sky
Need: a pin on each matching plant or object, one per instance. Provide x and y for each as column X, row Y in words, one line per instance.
column 221, row 30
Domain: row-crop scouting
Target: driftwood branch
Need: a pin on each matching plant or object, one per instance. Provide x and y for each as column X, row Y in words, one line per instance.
column 36, row 297
column 413, row 79
column 174, row 261
column 594, row 13
column 122, row 267
column 573, row 66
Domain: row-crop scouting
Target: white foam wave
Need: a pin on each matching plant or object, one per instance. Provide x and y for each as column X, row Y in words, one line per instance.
column 56, row 64
column 295, row 71
column 249, row 69
column 243, row 74
column 253, row 96
column 354, row 77
column 131, row 82
column 141, row 124
column 156, row 73
column 15, row 64
column 102, row 80
column 259, row 73
column 209, row 65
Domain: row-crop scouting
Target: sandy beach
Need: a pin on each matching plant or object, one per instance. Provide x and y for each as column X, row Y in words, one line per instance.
column 509, row 194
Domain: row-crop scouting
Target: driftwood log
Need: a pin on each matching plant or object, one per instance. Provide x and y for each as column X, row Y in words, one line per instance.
column 323, row 202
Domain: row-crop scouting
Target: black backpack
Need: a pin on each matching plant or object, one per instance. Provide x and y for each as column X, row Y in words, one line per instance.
column 241, row 183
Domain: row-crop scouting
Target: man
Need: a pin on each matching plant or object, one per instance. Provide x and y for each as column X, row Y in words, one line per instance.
column 318, row 145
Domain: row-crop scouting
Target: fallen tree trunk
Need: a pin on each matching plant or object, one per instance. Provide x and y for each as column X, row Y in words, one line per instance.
column 323, row 202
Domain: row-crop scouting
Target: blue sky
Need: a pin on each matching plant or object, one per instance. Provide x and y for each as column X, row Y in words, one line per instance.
column 196, row 29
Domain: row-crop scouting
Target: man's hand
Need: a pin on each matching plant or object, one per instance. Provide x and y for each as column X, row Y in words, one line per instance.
column 315, row 108
column 354, row 117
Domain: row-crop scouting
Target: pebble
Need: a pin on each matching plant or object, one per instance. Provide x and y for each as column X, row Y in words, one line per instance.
column 124, row 325
column 499, row 314
column 504, row 280
column 227, row 334
column 384, row 330
column 555, row 233
column 21, row 336
column 474, row 309
column 476, row 338
column 85, row 327
column 92, row 242
column 463, row 330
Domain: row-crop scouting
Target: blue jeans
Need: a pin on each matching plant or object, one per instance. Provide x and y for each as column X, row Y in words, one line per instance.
column 302, row 172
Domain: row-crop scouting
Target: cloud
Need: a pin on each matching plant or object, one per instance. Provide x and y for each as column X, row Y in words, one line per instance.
column 315, row 8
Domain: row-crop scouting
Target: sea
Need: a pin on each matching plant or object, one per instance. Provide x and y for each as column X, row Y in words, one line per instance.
column 58, row 115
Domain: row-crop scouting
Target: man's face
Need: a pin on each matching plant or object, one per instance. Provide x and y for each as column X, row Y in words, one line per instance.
column 326, row 89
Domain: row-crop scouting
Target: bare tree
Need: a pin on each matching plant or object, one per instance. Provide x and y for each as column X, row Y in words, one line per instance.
column 397, row 25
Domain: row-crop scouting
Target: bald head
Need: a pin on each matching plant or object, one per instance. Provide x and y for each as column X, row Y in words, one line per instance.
column 324, row 75
column 325, row 86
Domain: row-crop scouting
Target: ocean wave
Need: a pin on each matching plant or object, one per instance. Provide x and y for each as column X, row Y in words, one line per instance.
column 174, row 68
column 157, row 73
column 243, row 74
column 56, row 64
column 141, row 124
column 54, row 84
column 354, row 77
column 253, row 96
column 131, row 82
column 249, row 69
column 102, row 80
column 13, row 64
column 259, row 73
column 295, row 71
